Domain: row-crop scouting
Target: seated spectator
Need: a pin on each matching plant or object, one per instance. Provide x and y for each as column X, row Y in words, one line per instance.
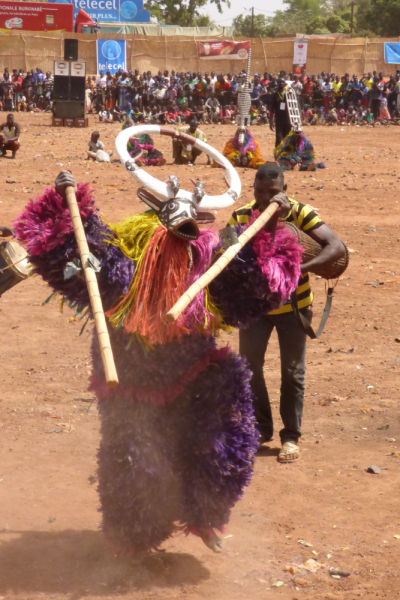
column 96, row 149
column 184, row 153
column 368, row 117
column 332, row 116
column 350, row 115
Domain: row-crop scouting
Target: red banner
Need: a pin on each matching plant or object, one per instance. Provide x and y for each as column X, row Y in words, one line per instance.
column 224, row 50
column 35, row 16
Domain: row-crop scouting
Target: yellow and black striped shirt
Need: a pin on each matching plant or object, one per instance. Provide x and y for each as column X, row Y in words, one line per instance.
column 307, row 220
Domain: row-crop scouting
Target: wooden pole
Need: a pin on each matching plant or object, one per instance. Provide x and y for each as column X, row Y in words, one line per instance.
column 94, row 293
column 229, row 254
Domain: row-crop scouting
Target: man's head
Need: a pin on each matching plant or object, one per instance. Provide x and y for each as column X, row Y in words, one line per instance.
column 95, row 136
column 10, row 120
column 193, row 125
column 268, row 182
column 281, row 84
column 101, row 73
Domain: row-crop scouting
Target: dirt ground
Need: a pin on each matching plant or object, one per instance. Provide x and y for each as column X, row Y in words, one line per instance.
column 325, row 509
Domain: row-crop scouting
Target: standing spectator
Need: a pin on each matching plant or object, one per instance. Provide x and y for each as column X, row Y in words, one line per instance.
column 308, row 88
column 48, row 87
column 8, row 91
column 279, row 108
column 298, row 88
column 376, row 97
column 101, row 84
column 17, row 81
column 326, row 88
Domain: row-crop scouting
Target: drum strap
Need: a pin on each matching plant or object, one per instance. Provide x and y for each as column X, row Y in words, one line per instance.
column 304, row 324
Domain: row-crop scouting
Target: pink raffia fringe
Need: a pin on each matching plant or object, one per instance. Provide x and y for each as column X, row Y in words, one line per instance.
column 280, row 261
column 45, row 222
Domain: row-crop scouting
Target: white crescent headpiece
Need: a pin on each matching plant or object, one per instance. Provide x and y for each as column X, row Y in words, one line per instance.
column 164, row 191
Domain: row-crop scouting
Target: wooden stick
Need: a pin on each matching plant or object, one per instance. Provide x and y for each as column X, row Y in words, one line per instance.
column 94, row 293
column 229, row 254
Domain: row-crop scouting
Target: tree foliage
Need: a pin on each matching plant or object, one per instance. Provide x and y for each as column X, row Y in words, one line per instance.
column 184, row 13
column 370, row 18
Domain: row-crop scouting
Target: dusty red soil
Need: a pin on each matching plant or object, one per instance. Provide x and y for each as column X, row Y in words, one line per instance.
column 50, row 542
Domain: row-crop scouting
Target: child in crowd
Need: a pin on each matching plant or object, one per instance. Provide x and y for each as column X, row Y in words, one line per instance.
column 350, row 115
column 96, row 149
column 262, row 117
column 332, row 116
column 368, row 117
column 360, row 116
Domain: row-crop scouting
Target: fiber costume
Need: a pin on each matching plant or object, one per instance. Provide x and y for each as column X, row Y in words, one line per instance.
column 177, row 434
column 144, row 143
column 294, row 150
column 243, row 150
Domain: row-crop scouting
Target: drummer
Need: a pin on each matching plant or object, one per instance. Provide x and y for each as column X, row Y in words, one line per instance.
column 183, row 153
column 253, row 341
column 9, row 136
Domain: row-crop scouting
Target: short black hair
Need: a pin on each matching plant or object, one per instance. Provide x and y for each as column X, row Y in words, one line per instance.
column 270, row 171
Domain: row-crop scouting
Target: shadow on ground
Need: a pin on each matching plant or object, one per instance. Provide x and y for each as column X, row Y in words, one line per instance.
column 81, row 563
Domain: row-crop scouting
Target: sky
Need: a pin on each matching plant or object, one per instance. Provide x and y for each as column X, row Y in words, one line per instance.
column 237, row 8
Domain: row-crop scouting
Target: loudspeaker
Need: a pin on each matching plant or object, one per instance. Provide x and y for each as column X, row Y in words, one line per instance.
column 68, row 109
column 61, row 87
column 70, row 49
column 77, row 88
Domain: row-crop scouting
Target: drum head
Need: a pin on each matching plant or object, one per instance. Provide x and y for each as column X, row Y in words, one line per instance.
column 15, row 255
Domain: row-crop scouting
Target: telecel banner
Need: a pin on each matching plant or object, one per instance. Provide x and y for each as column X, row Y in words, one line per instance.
column 392, row 53
column 111, row 55
column 117, row 11
column 299, row 56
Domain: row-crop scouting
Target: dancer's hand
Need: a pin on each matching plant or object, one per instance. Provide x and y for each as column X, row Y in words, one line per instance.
column 63, row 180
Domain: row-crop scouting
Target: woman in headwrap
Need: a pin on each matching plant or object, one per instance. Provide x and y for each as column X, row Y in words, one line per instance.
column 143, row 145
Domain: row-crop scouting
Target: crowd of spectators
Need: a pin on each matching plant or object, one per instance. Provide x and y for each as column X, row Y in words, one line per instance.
column 325, row 98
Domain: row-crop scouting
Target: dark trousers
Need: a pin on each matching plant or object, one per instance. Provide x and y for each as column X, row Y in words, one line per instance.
column 281, row 131
column 253, row 343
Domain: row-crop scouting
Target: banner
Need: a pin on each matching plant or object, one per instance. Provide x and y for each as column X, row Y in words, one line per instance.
column 111, row 55
column 117, row 11
column 224, row 50
column 392, row 53
column 299, row 56
column 35, row 16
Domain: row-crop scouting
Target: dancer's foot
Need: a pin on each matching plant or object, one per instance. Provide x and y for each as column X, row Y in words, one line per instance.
column 162, row 162
column 212, row 541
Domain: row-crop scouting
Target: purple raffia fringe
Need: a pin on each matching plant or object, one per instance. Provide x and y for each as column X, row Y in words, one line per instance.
column 187, row 461
column 261, row 277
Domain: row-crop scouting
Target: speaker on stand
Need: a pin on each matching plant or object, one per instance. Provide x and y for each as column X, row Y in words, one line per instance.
column 69, row 93
column 70, row 49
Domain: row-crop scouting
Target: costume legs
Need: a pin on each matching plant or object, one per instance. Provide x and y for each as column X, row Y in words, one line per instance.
column 292, row 343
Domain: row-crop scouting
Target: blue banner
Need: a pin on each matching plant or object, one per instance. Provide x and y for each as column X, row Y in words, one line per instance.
column 111, row 55
column 113, row 11
column 392, row 53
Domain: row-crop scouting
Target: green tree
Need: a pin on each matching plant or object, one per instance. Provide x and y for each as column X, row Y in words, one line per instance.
column 262, row 27
column 380, row 16
column 184, row 13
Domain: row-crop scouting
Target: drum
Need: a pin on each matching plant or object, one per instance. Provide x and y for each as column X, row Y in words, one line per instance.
column 313, row 249
column 14, row 265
